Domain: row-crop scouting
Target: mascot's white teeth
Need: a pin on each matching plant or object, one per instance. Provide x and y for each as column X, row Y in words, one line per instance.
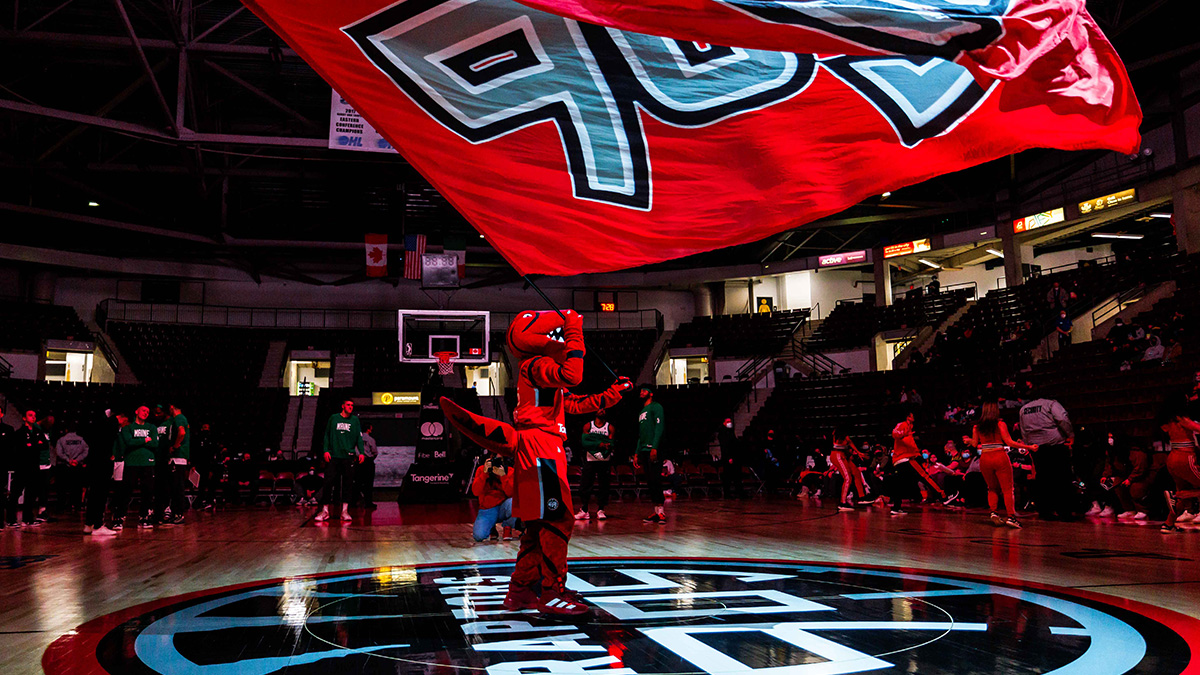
column 556, row 335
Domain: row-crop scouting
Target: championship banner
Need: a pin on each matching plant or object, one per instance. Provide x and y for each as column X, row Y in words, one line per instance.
column 349, row 131
column 580, row 148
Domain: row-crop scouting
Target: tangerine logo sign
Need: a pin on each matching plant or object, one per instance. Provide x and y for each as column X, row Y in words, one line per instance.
column 656, row 616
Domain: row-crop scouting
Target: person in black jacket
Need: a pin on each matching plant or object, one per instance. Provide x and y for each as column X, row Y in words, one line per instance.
column 31, row 452
column 6, row 451
column 100, row 434
column 731, row 460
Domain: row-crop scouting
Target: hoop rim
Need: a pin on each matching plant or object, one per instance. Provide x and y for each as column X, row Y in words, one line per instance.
column 445, row 357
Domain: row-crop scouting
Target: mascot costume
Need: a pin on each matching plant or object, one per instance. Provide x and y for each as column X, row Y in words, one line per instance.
column 549, row 347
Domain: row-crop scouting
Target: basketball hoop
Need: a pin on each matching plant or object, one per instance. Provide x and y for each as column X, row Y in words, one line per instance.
column 445, row 362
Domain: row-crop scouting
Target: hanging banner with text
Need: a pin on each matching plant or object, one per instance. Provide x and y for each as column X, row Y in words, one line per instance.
column 349, row 131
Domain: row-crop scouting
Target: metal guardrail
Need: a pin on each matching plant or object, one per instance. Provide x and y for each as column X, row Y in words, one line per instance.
column 243, row 317
column 632, row 319
column 1117, row 304
column 6, row 369
column 973, row 285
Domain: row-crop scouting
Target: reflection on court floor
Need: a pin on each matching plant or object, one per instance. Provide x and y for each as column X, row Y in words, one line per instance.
column 653, row 616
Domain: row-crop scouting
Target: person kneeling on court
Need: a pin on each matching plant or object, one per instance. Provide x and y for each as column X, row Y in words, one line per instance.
column 493, row 485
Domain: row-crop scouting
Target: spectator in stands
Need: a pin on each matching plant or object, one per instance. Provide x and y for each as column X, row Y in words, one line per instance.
column 493, row 486
column 907, row 472
column 990, row 436
column 1058, row 298
column 1062, row 328
column 731, row 460
column 1044, row 423
column 70, row 454
column 649, row 457
column 1181, row 430
column 597, row 444
column 1023, row 477
column 101, row 434
column 135, row 450
column 1155, row 353
column 1174, row 351
column 935, row 285
column 343, row 447
column 1133, row 486
column 31, row 452
column 365, row 472
column 177, row 453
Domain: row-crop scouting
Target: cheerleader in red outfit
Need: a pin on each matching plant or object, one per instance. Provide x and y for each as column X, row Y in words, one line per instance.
column 841, row 459
column 550, row 349
column 1181, row 464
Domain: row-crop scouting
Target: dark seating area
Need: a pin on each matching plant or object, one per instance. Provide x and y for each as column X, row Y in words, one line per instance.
column 243, row 418
column 856, row 402
column 25, row 325
column 734, row 335
column 184, row 355
column 625, row 351
column 852, row 324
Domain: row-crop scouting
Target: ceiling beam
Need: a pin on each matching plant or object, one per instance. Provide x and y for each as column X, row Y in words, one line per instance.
column 292, row 112
column 104, row 222
column 118, row 42
column 146, row 68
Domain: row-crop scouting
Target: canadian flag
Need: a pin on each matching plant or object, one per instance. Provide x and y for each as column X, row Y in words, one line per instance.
column 377, row 255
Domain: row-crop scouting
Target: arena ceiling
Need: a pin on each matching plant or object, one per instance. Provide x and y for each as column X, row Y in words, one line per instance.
column 186, row 130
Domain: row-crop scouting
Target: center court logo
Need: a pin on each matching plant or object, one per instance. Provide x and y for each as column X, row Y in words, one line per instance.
column 693, row 617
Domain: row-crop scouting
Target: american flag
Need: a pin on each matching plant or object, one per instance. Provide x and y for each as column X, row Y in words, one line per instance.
column 414, row 248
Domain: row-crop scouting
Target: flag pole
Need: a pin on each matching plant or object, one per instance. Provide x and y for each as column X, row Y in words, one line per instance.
column 564, row 317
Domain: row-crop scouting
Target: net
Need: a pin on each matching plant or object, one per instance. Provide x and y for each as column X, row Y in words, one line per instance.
column 445, row 362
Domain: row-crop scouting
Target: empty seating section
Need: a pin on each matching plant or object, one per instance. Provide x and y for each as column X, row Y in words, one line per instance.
column 25, row 325
column 191, row 356
column 734, row 335
column 853, row 324
column 625, row 351
column 242, row 418
column 856, row 403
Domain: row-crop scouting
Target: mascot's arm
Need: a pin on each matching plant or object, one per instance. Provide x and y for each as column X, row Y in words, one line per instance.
column 579, row 405
column 546, row 372
column 490, row 434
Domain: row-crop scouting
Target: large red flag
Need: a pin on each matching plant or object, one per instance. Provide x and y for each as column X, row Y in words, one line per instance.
column 580, row 148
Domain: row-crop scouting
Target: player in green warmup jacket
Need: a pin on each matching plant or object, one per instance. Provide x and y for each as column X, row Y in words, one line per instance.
column 648, row 457
column 137, row 446
column 343, row 449
column 177, row 451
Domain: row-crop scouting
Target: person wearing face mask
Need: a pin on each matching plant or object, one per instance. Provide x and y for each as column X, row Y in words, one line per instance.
column 1062, row 328
column 731, row 461
column 649, row 451
column 990, row 436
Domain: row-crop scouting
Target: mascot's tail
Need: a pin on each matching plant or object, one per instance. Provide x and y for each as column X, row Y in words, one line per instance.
column 490, row 434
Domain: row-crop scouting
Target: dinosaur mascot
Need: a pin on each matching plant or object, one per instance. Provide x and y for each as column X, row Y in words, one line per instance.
column 550, row 350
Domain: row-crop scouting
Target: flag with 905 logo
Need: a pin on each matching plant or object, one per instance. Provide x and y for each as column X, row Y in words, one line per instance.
column 578, row 147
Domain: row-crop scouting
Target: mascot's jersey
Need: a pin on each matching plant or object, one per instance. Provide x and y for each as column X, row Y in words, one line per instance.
column 551, row 350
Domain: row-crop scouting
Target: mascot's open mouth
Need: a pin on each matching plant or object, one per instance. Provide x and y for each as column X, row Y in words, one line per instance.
column 556, row 334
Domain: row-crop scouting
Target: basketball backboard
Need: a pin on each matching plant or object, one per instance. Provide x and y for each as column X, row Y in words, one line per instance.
column 424, row 332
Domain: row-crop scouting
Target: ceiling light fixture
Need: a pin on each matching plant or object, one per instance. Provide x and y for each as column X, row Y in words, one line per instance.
column 996, row 253
column 886, row 195
column 1160, row 215
column 931, row 264
column 93, row 203
column 1105, row 235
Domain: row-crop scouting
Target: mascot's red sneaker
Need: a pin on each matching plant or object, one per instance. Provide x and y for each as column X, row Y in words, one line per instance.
column 521, row 597
column 554, row 603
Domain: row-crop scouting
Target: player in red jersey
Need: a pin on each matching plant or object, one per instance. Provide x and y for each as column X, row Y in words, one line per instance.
column 1181, row 463
column 550, row 349
column 906, row 466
